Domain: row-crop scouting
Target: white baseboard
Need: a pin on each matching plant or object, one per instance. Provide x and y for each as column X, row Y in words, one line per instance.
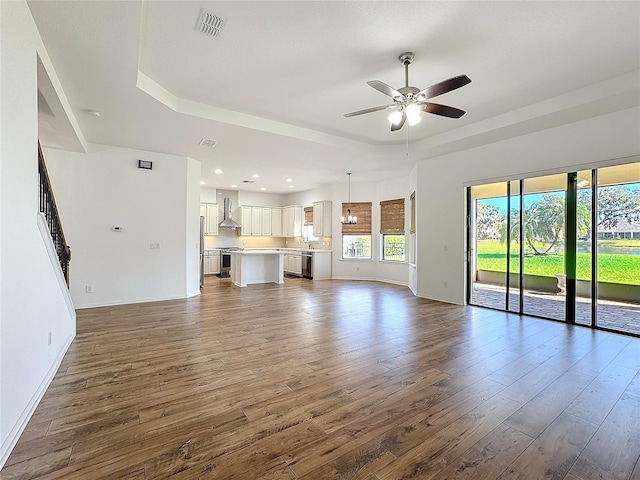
column 368, row 279
column 21, row 424
column 130, row 302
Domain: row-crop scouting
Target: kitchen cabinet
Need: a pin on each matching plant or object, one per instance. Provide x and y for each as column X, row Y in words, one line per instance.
column 211, row 262
column 276, row 222
column 292, row 221
column 210, row 213
column 271, row 221
column 246, row 220
column 256, row 220
column 266, row 221
column 322, row 213
column 293, row 263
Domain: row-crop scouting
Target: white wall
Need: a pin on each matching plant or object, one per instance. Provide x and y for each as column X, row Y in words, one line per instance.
column 104, row 188
column 441, row 180
column 261, row 199
column 33, row 302
column 374, row 269
column 192, row 212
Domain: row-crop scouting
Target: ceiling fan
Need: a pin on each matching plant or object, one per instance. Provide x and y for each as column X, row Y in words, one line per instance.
column 409, row 102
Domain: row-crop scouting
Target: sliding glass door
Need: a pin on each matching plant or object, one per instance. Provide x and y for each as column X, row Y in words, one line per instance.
column 567, row 248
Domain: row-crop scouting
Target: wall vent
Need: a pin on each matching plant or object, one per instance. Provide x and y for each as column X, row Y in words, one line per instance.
column 209, row 23
column 207, row 142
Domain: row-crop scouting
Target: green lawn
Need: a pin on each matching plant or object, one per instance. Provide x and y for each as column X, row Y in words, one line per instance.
column 613, row 268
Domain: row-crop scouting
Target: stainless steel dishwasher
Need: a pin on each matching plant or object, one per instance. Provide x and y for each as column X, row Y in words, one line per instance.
column 307, row 265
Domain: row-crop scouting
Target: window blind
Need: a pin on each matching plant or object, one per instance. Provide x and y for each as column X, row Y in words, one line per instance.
column 392, row 216
column 308, row 216
column 362, row 210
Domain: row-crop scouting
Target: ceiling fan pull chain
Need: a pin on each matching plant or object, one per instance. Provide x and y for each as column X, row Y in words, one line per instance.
column 407, row 142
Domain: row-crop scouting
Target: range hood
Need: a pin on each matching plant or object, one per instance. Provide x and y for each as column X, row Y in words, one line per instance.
column 227, row 221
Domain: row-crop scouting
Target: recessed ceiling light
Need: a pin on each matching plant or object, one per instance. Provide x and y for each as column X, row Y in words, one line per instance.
column 263, row 189
column 255, row 175
column 288, row 180
column 292, row 186
column 202, row 183
column 93, row 113
column 217, row 171
column 234, row 186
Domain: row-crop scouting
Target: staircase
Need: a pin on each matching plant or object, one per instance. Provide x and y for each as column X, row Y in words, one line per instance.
column 50, row 211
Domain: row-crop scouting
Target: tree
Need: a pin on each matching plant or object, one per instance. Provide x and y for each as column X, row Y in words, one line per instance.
column 615, row 203
column 488, row 221
column 543, row 223
column 544, row 220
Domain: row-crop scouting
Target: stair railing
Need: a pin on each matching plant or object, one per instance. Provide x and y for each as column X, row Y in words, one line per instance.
column 50, row 210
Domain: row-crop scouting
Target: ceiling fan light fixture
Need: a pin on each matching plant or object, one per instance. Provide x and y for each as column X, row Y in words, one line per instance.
column 413, row 114
column 395, row 117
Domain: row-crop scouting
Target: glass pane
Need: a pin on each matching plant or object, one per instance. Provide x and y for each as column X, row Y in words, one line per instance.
column 618, row 218
column 489, row 249
column 393, row 247
column 543, row 229
column 356, row 246
column 583, row 248
column 514, row 247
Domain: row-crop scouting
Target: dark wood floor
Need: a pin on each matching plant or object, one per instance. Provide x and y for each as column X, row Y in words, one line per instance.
column 333, row 380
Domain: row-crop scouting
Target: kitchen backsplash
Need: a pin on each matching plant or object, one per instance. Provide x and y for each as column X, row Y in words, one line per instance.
column 228, row 238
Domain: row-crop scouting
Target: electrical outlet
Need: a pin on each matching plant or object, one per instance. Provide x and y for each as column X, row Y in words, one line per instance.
column 88, row 289
column 446, row 248
column 49, row 339
column 446, row 284
column 154, row 246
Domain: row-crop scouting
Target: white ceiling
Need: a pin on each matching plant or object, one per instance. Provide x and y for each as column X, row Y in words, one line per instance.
column 272, row 87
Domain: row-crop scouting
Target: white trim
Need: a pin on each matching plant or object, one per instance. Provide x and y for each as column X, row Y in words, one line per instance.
column 22, row 422
column 130, row 302
column 55, row 263
column 370, row 279
column 439, row 300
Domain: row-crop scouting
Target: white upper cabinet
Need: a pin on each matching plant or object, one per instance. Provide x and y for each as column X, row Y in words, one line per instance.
column 272, row 221
column 210, row 213
column 266, row 221
column 276, row 222
column 256, row 220
column 322, row 213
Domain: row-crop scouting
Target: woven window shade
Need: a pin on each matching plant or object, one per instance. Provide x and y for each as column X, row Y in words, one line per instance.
column 362, row 210
column 392, row 216
column 308, row 216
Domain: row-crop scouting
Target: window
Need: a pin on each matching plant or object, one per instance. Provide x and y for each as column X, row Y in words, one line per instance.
column 356, row 239
column 392, row 230
column 307, row 228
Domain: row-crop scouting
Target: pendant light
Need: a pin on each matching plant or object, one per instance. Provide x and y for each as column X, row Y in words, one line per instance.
column 351, row 219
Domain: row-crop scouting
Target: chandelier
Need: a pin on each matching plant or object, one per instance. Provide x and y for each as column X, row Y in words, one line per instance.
column 350, row 219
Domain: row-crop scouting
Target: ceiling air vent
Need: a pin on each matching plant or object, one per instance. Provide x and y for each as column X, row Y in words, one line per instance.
column 209, row 24
column 248, row 181
column 207, row 142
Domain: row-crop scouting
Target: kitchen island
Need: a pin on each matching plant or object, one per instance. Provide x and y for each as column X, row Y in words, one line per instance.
column 249, row 267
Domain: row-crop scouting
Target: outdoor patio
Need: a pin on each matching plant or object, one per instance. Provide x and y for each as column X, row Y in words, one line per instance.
column 624, row 317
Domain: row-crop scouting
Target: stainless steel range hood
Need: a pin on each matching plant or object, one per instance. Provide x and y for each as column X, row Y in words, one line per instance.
column 227, row 221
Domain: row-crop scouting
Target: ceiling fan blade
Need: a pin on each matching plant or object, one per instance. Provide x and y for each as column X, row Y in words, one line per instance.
column 443, row 87
column 442, row 110
column 386, row 89
column 368, row 110
column 395, row 127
